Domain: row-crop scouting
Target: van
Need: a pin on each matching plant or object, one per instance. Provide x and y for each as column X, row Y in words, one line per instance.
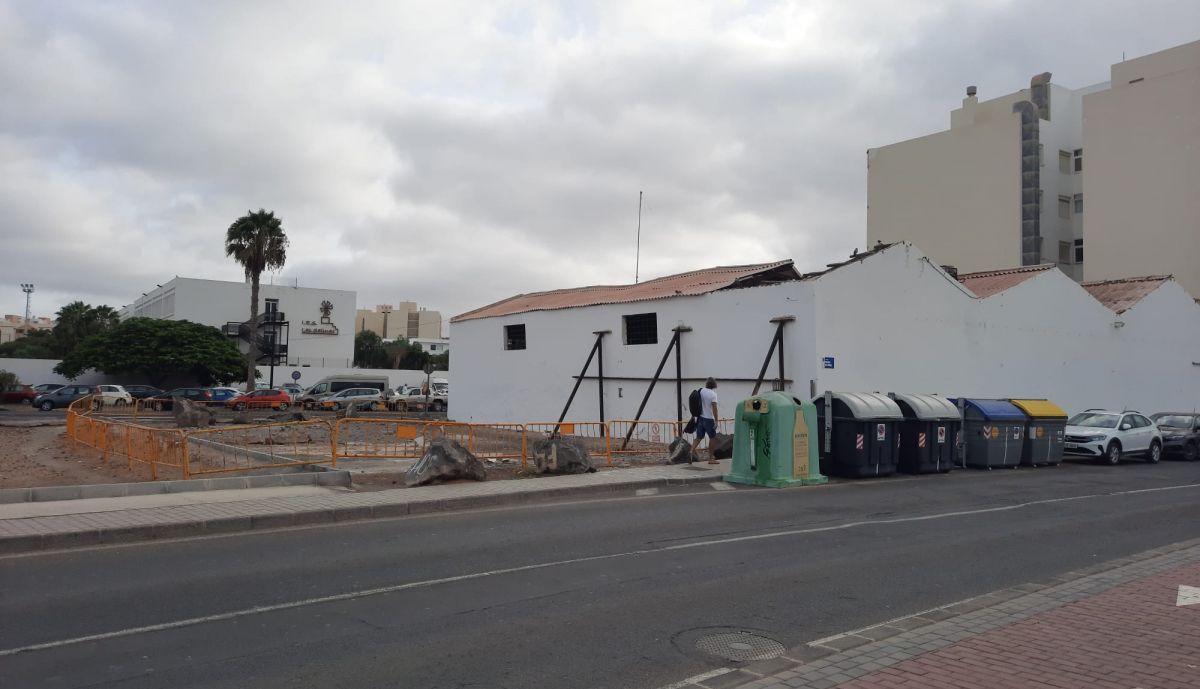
column 331, row 384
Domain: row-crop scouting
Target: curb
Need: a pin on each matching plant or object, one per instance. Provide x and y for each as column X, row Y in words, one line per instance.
column 799, row 656
column 10, row 496
column 11, row 545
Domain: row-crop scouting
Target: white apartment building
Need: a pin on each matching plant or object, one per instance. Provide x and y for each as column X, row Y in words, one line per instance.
column 14, row 326
column 1036, row 175
column 320, row 322
column 405, row 320
column 432, row 345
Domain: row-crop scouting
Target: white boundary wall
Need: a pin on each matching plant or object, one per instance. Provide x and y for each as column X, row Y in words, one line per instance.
column 893, row 322
column 38, row 371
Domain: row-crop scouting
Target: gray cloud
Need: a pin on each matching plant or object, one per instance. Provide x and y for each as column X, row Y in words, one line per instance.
column 458, row 155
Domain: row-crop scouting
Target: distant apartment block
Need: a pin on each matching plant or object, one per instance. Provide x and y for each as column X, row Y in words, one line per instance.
column 1041, row 174
column 405, row 320
column 14, row 326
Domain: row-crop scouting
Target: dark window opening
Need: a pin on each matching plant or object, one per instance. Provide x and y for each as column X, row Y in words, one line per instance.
column 1079, row 251
column 514, row 336
column 641, row 329
column 1079, row 160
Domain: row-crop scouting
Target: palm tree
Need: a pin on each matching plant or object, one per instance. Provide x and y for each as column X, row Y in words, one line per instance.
column 256, row 241
column 78, row 320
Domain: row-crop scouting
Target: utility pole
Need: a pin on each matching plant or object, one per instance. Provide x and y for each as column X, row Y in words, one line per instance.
column 27, row 288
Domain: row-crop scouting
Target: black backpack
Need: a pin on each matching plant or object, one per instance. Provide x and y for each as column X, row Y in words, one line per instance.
column 694, row 403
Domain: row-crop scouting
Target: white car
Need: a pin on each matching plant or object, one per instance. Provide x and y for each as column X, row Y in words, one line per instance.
column 362, row 398
column 1111, row 435
column 113, row 396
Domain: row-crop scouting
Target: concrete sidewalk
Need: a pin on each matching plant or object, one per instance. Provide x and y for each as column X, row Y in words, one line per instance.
column 1129, row 624
column 217, row 512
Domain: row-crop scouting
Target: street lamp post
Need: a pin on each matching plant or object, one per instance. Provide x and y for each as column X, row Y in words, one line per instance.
column 27, row 288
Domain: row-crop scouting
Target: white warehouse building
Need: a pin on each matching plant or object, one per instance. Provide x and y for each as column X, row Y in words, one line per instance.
column 887, row 320
column 320, row 330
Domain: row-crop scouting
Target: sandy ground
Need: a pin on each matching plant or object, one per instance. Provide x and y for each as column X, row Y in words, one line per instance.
column 41, row 456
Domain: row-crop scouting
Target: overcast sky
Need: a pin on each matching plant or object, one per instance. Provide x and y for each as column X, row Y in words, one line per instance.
column 455, row 153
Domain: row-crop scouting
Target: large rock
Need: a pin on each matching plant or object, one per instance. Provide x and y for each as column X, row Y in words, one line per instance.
column 560, row 456
column 721, row 446
column 445, row 460
column 680, row 452
column 189, row 414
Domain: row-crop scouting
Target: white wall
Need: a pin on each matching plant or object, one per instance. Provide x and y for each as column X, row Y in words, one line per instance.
column 38, row 371
column 731, row 333
column 893, row 322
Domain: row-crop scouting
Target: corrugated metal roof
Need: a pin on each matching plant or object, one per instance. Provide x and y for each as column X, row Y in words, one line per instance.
column 693, row 283
column 926, row 407
column 1122, row 295
column 1042, row 409
column 869, row 405
column 995, row 410
column 989, row 282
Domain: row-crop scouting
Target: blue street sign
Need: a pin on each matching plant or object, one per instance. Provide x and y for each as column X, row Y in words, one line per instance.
column 295, row 375
column 827, row 362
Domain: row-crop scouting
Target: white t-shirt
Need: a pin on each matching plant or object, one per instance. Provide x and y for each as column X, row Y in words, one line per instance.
column 708, row 397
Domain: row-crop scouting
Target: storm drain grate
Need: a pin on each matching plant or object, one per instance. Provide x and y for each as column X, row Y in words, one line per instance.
column 741, row 646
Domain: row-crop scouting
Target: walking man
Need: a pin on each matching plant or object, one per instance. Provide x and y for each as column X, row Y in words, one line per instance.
column 706, row 423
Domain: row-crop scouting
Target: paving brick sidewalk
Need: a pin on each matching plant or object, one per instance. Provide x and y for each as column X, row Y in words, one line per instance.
column 1119, row 628
column 119, row 526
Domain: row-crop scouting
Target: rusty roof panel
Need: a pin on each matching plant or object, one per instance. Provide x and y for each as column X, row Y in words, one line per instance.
column 693, row 283
column 989, row 282
column 1122, row 295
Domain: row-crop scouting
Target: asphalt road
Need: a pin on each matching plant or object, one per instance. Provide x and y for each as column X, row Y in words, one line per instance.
column 602, row 593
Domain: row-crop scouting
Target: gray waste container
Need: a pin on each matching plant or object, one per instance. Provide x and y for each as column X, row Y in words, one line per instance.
column 993, row 433
column 929, row 433
column 864, row 434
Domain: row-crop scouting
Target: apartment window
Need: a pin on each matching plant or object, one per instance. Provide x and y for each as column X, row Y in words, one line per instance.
column 1079, row 160
column 641, row 329
column 1064, row 162
column 514, row 336
column 1064, row 207
column 1079, row 251
column 1064, row 252
column 1078, row 204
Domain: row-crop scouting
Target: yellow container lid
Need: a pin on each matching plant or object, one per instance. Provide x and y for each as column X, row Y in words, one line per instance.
column 1041, row 408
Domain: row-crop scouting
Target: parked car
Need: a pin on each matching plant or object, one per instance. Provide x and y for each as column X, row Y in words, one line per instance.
column 292, row 389
column 415, row 400
column 18, row 394
column 1180, row 434
column 46, row 387
column 141, row 392
column 327, row 386
column 223, row 394
column 361, row 398
column 63, row 396
column 274, row 399
column 1111, row 435
column 166, row 401
column 113, row 396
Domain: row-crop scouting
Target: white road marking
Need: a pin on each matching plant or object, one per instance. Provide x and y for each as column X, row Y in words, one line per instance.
column 1188, row 595
column 645, row 492
column 351, row 595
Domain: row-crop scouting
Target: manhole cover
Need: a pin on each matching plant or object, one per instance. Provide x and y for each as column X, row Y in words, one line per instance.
column 741, row 646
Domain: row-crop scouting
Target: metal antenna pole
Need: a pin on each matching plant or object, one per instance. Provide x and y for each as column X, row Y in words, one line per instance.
column 637, row 264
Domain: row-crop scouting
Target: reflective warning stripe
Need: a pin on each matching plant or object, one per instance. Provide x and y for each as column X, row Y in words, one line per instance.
column 920, row 440
column 858, row 442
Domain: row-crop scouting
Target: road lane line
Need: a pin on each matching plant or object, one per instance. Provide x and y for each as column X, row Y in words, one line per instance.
column 258, row 610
